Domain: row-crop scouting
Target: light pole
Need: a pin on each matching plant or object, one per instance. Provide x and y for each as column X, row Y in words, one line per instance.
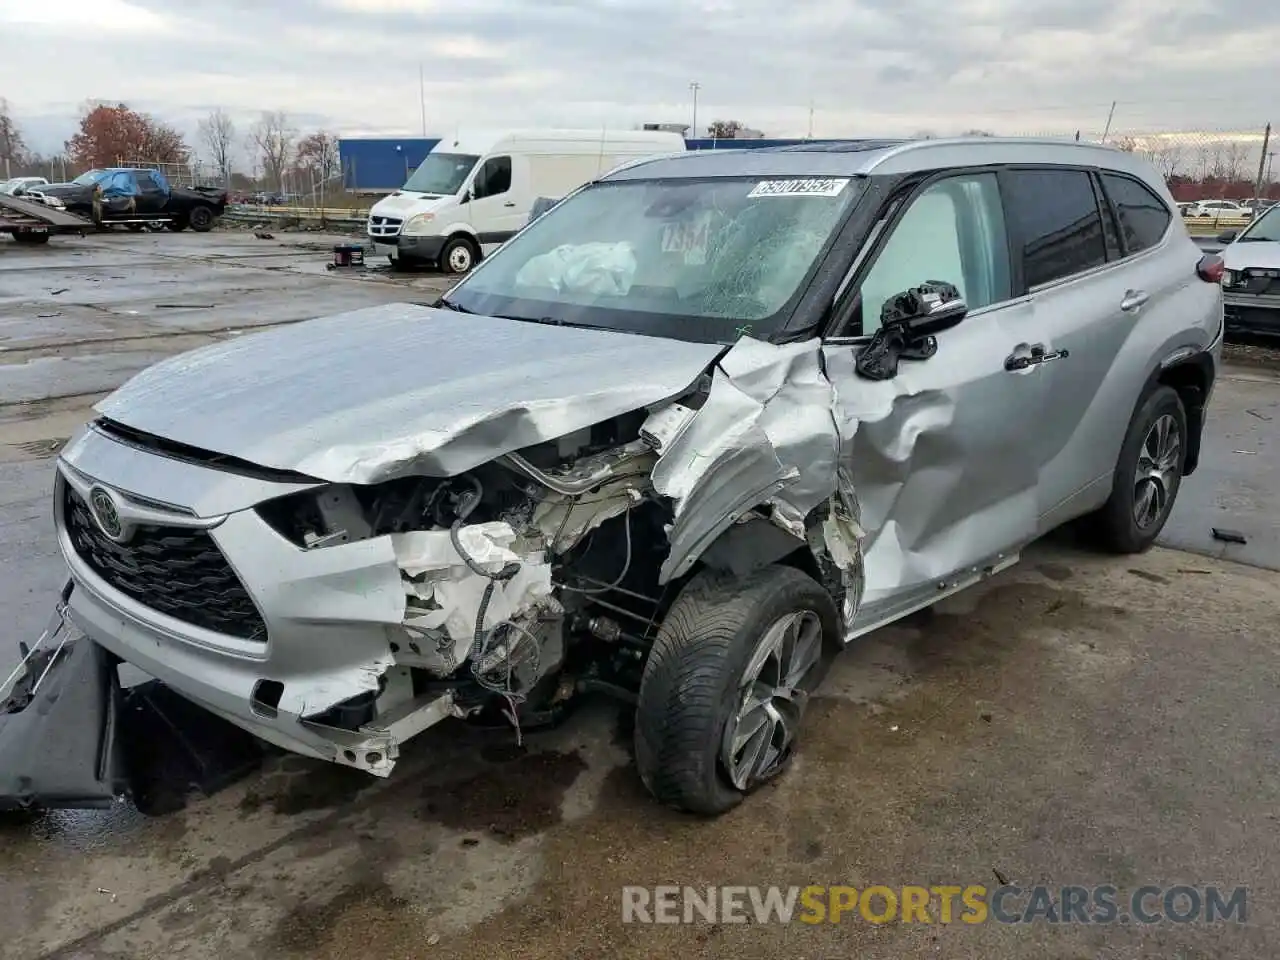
column 695, row 86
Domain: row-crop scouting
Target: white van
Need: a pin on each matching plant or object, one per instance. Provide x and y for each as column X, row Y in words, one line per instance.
column 473, row 191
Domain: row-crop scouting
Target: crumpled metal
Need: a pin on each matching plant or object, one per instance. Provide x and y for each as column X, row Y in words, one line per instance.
column 766, row 433
column 401, row 390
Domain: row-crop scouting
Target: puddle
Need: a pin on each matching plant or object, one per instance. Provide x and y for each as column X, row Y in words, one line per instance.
column 506, row 801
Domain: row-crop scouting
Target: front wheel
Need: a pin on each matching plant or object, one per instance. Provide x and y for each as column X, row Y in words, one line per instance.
column 727, row 683
column 33, row 238
column 201, row 219
column 458, row 256
column 1148, row 475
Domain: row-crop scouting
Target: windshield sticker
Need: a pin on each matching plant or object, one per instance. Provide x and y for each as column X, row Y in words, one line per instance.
column 688, row 237
column 810, row 187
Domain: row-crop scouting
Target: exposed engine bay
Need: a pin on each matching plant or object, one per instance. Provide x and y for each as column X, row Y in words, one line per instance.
column 541, row 575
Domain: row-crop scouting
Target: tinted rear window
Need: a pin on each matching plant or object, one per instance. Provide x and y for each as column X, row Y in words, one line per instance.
column 1057, row 218
column 1143, row 216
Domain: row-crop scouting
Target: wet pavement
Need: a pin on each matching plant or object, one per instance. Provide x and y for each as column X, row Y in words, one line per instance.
column 1078, row 720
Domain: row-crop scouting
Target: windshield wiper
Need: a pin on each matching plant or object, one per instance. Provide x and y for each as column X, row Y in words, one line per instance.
column 549, row 321
column 1254, row 240
column 444, row 304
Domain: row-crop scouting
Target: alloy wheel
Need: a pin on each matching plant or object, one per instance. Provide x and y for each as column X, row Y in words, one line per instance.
column 773, row 694
column 1159, row 460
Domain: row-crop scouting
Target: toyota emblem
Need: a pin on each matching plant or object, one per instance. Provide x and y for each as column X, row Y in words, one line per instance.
column 107, row 515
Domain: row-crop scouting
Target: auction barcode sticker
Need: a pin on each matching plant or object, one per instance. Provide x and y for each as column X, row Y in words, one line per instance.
column 809, row 187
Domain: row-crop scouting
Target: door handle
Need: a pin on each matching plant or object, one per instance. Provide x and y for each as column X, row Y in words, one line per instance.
column 1028, row 355
column 1133, row 300
column 509, row 203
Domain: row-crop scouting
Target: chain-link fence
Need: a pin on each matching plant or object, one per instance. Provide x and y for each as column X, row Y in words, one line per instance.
column 1226, row 164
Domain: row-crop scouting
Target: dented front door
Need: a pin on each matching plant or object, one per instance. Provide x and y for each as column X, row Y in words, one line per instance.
column 942, row 456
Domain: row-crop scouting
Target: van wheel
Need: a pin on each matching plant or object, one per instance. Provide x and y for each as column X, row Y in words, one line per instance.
column 1148, row 475
column 726, row 685
column 34, row 238
column 458, row 256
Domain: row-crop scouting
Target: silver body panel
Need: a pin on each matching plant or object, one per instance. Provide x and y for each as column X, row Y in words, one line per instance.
column 944, row 472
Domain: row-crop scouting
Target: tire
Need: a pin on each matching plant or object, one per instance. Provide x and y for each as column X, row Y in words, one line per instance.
column 31, row 238
column 459, row 256
column 692, row 689
column 1129, row 522
column 201, row 219
column 177, row 226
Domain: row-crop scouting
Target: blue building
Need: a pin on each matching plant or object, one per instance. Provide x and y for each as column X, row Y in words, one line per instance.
column 380, row 165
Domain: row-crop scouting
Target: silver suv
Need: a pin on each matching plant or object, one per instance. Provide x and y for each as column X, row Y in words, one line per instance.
column 683, row 438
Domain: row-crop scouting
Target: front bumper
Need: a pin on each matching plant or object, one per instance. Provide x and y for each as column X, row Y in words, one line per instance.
column 328, row 613
column 1251, row 313
column 405, row 247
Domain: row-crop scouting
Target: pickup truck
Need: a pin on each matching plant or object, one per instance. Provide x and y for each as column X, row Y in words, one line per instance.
column 137, row 197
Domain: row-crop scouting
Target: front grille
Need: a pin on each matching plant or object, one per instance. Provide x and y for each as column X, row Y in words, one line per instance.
column 174, row 570
column 384, row 226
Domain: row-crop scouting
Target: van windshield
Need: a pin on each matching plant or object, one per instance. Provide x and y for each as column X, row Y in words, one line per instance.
column 441, row 174
column 703, row 260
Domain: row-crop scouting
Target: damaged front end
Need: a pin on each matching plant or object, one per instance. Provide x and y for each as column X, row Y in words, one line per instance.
column 341, row 619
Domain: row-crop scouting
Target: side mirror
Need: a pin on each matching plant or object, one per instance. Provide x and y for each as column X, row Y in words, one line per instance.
column 924, row 311
column 909, row 323
column 469, row 194
column 1227, row 236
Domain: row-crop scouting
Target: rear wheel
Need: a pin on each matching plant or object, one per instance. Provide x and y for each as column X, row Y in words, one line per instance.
column 201, row 219
column 1148, row 475
column 32, row 238
column 727, row 683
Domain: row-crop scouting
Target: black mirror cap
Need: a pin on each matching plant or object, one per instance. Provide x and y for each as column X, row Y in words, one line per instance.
column 1228, row 236
column 926, row 310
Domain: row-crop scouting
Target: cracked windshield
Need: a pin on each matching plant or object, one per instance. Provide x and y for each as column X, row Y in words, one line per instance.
column 736, row 250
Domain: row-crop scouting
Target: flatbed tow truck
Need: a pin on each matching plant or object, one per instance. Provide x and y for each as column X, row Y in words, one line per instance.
column 32, row 222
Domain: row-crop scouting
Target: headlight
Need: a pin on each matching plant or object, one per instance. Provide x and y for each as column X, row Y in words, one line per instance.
column 1229, row 278
column 418, row 223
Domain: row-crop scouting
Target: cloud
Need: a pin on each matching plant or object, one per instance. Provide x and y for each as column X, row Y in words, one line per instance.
column 867, row 67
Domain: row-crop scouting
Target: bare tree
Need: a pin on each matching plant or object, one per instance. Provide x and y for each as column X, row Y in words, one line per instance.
column 273, row 139
column 218, row 133
column 1167, row 158
column 1235, row 160
column 317, row 155
column 12, row 148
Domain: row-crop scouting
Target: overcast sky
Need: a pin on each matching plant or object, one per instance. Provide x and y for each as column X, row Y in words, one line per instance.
column 867, row 66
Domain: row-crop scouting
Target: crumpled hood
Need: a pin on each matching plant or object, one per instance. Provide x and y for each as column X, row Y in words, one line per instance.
column 1264, row 254
column 389, row 391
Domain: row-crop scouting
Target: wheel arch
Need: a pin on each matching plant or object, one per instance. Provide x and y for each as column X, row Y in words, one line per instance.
column 1191, row 378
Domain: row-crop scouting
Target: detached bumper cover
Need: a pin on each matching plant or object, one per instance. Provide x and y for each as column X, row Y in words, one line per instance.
column 59, row 727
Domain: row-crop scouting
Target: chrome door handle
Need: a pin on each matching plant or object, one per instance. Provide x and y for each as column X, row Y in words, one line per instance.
column 509, row 203
column 1133, row 299
column 1028, row 355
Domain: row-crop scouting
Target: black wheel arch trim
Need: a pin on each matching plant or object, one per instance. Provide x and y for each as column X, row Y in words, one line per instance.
column 1191, row 374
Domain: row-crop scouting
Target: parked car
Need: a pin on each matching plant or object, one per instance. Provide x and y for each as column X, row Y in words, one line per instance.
column 19, row 185
column 1251, row 284
column 1220, row 210
column 139, row 197
column 681, row 439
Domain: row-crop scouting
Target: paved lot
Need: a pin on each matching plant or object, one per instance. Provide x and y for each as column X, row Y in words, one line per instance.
column 1080, row 720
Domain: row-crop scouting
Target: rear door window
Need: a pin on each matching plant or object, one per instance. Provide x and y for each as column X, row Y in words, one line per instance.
column 1143, row 216
column 1056, row 218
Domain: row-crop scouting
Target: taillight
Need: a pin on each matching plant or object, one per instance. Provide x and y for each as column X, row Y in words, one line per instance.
column 1210, row 268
